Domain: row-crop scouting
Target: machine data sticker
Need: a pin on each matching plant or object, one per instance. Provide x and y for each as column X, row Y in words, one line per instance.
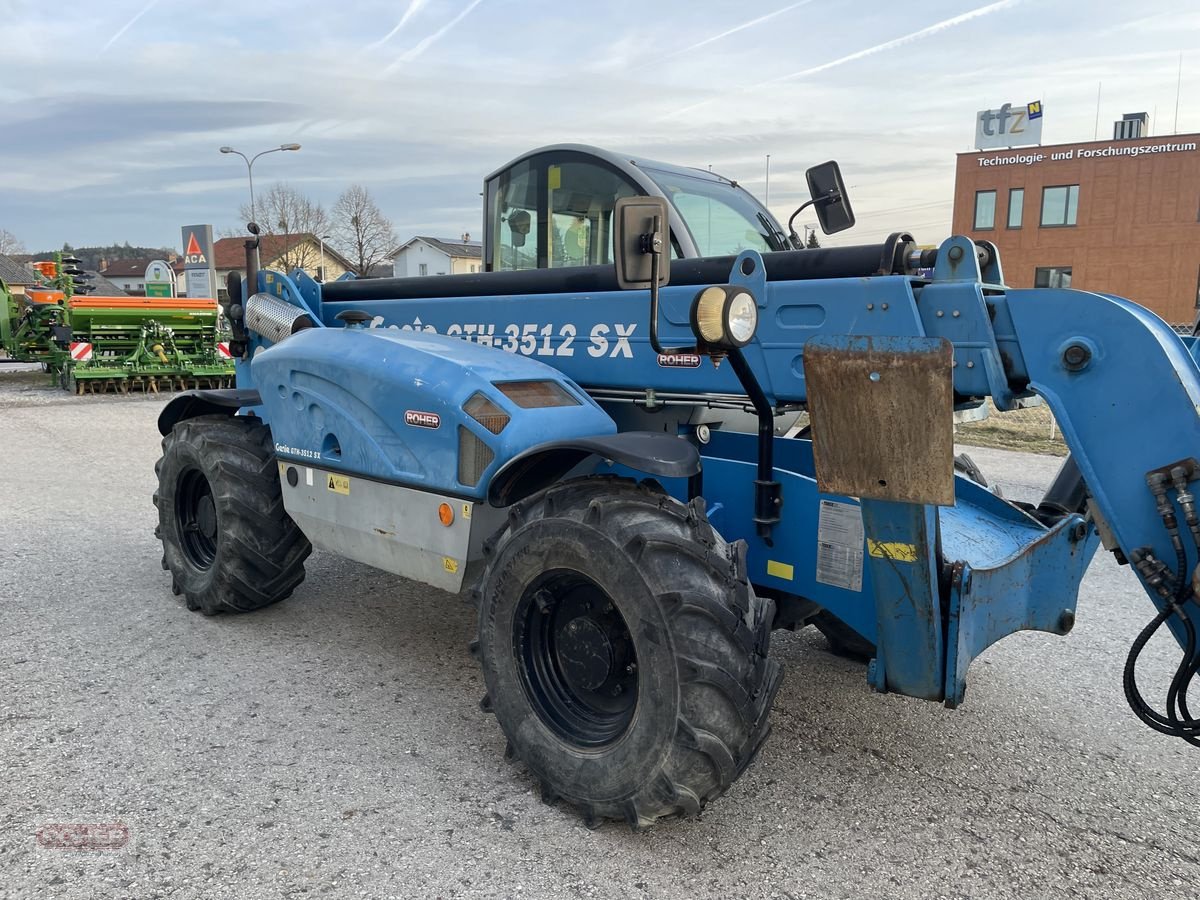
column 840, row 545
column 339, row 484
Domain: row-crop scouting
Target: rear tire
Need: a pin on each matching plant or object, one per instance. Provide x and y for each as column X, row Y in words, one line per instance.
column 227, row 539
column 624, row 652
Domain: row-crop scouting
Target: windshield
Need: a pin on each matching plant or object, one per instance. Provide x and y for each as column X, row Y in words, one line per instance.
column 723, row 220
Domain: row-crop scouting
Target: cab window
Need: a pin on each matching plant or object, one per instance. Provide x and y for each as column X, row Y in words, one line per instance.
column 723, row 219
column 554, row 211
column 514, row 211
column 581, row 197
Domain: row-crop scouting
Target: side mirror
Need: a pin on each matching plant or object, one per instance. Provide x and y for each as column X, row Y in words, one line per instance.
column 641, row 248
column 828, row 193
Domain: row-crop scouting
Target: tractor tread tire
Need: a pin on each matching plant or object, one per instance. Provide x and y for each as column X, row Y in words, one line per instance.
column 704, row 612
column 260, row 549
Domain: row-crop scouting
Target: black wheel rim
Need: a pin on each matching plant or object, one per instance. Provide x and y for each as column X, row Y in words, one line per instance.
column 196, row 519
column 576, row 658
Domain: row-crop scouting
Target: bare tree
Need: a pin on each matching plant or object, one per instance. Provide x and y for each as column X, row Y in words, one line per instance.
column 10, row 243
column 362, row 233
column 284, row 210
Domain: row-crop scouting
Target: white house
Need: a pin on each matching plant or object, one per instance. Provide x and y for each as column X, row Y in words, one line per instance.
column 437, row 256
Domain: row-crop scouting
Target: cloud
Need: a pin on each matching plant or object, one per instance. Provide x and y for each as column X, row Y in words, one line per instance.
column 124, row 28
column 414, row 7
column 731, row 31
column 909, row 38
column 428, row 41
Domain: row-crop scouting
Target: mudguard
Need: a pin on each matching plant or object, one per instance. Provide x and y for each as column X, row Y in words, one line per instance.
column 652, row 452
column 190, row 404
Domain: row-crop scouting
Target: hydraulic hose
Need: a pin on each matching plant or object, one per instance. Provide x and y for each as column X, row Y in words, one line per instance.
column 1175, row 589
column 1178, row 722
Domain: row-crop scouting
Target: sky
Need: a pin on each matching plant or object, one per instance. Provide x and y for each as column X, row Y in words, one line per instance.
column 113, row 112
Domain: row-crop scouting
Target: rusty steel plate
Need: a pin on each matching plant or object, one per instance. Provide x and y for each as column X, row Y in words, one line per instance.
column 882, row 413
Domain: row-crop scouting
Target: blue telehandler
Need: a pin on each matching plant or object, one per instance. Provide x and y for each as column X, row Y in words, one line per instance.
column 585, row 440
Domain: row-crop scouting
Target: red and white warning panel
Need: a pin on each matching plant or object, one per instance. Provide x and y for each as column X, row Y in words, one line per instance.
column 81, row 351
column 223, row 350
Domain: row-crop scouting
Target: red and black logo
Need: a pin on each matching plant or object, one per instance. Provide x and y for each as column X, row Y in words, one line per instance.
column 422, row 419
column 679, row 360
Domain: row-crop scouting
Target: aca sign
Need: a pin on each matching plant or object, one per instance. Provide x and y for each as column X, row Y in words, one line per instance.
column 199, row 272
column 1008, row 126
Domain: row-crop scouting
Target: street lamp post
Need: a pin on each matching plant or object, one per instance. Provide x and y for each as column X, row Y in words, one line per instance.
column 250, row 166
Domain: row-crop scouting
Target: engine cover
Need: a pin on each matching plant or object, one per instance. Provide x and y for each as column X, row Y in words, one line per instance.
column 388, row 405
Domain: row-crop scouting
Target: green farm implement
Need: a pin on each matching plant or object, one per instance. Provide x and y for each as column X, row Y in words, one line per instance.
column 93, row 344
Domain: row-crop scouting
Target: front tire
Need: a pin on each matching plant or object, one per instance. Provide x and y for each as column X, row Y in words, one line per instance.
column 227, row 539
column 624, row 652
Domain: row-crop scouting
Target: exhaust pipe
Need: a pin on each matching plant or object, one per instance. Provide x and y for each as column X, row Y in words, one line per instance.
column 273, row 319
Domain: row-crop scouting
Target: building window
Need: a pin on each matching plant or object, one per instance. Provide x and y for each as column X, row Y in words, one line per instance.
column 423, row 269
column 1060, row 205
column 985, row 210
column 1052, row 277
column 1016, row 207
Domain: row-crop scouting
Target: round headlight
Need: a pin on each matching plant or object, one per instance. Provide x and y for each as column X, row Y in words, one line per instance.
column 725, row 316
column 741, row 319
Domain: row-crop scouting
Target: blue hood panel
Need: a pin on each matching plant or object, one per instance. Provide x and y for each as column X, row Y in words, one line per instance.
column 387, row 404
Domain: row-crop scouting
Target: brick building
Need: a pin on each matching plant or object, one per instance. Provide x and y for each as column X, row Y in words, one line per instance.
column 1119, row 216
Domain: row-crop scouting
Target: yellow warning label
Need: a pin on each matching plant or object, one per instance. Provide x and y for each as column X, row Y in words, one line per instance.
column 466, row 511
column 897, row 550
column 339, row 484
column 450, row 565
column 283, row 468
column 554, row 178
column 780, row 570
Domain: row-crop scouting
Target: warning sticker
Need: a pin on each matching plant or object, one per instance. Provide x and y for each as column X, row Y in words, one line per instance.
column 840, row 545
column 894, row 550
column 450, row 565
column 339, row 484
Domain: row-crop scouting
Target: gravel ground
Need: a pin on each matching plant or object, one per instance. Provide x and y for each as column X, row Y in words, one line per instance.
column 333, row 745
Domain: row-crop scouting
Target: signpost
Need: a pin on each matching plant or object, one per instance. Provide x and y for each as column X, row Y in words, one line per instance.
column 1009, row 126
column 160, row 279
column 199, row 268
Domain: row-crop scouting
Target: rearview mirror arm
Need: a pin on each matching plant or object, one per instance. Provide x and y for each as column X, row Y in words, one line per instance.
column 652, row 243
column 831, row 197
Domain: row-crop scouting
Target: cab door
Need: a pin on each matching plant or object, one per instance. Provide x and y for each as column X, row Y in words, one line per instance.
column 553, row 210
